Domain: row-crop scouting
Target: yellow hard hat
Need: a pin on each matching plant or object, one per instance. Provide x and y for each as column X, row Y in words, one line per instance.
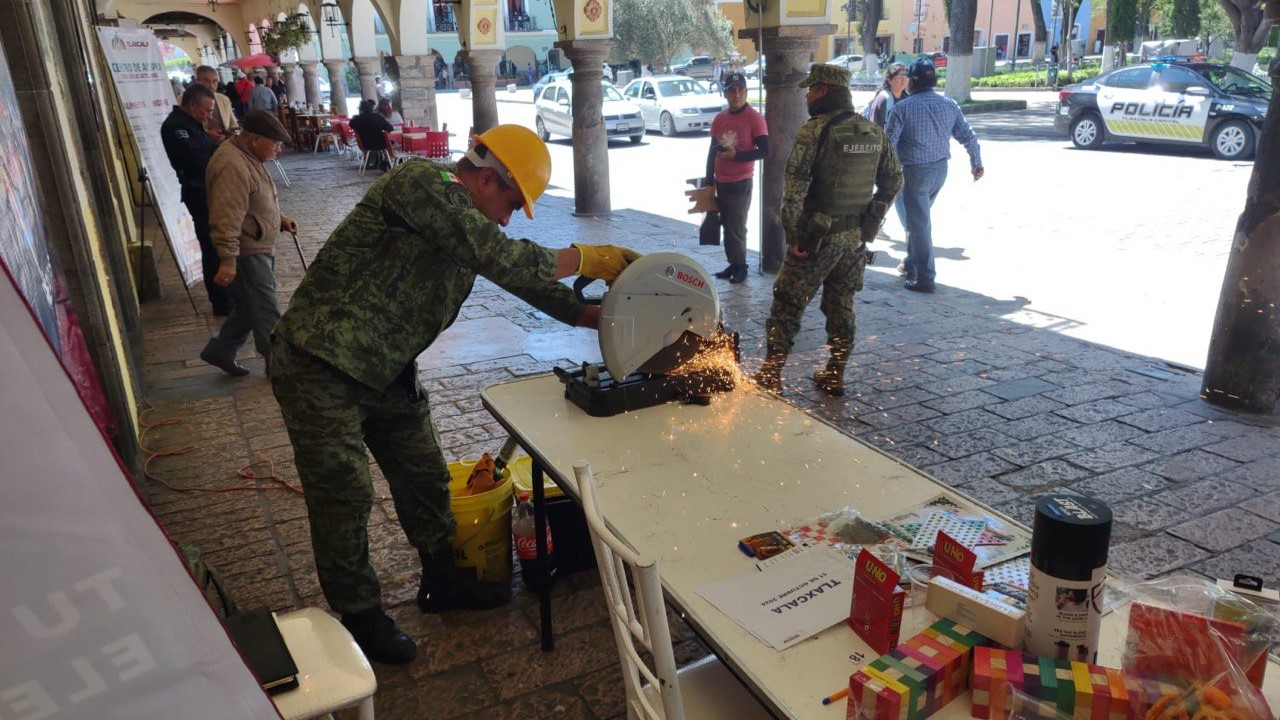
column 525, row 157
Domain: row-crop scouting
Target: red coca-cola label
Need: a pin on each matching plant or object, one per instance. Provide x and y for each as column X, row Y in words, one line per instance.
column 527, row 546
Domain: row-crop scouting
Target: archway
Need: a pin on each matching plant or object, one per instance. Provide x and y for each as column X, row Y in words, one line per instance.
column 202, row 37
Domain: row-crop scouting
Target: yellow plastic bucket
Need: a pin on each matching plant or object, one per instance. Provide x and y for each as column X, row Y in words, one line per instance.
column 483, row 540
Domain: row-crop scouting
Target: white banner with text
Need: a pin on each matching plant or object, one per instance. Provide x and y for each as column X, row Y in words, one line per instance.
column 146, row 96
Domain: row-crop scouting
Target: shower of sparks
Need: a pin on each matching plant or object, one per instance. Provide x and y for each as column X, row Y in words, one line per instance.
column 714, row 368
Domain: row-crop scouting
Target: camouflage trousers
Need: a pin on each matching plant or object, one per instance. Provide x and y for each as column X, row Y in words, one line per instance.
column 331, row 419
column 837, row 268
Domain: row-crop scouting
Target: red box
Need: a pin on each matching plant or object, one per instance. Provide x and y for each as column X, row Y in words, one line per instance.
column 876, row 612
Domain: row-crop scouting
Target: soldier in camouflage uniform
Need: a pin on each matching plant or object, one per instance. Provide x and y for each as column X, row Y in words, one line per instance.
column 388, row 281
column 829, row 213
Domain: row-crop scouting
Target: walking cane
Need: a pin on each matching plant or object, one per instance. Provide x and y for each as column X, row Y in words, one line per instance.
column 298, row 245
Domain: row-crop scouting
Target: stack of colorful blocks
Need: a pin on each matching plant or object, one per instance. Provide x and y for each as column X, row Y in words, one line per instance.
column 1058, row 687
column 917, row 678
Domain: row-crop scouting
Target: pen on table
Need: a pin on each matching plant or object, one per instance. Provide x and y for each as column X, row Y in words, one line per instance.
column 835, row 696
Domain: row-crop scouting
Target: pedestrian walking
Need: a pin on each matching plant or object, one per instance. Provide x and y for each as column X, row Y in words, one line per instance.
column 894, row 87
column 391, row 277
column 262, row 97
column 739, row 137
column 244, row 219
column 189, row 147
column 921, row 127
column 841, row 176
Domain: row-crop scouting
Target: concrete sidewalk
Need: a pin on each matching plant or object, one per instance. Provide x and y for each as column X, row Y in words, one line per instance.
column 979, row 393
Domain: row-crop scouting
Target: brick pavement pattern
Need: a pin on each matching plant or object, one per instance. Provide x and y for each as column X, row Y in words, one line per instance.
column 1001, row 411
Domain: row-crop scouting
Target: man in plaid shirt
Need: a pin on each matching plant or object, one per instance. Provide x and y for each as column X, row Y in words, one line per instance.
column 920, row 128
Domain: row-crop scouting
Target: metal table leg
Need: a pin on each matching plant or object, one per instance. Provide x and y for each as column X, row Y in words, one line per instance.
column 544, row 574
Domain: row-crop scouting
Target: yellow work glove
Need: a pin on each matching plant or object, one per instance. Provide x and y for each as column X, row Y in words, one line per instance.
column 604, row 262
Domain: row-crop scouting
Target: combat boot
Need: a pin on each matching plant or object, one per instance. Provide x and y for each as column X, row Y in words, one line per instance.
column 830, row 379
column 446, row 587
column 769, row 376
column 379, row 638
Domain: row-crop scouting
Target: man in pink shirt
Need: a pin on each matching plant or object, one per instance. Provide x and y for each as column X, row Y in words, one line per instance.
column 739, row 137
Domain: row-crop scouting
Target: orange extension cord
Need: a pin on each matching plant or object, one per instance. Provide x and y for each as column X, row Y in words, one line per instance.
column 245, row 472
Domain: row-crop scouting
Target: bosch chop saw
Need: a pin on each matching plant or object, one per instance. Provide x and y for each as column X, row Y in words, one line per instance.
column 661, row 339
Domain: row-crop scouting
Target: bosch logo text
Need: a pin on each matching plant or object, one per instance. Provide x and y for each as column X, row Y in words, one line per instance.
column 692, row 280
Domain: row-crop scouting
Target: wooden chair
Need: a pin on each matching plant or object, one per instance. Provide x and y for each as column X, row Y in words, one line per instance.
column 332, row 671
column 705, row 690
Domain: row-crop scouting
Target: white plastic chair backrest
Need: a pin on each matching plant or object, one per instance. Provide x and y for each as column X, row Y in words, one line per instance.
column 636, row 617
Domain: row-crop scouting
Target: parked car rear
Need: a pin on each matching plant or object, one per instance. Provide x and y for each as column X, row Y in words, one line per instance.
column 701, row 67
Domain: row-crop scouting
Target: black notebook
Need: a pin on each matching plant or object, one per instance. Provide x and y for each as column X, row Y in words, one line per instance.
column 258, row 637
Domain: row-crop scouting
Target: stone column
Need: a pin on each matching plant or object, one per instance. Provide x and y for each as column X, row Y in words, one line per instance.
column 337, row 86
column 292, row 82
column 590, row 141
column 310, row 83
column 418, row 89
column 368, row 68
column 786, row 50
column 484, row 100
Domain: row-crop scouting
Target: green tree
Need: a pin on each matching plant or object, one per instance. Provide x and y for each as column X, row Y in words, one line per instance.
column 1121, row 15
column 1252, row 28
column 1042, row 30
column 1184, row 21
column 659, row 31
column 1214, row 23
column 870, row 12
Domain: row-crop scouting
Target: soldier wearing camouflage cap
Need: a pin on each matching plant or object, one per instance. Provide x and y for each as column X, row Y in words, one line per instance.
column 841, row 177
column 391, row 278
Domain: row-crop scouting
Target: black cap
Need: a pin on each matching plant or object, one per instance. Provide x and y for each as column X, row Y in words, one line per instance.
column 734, row 79
column 1070, row 536
column 923, row 72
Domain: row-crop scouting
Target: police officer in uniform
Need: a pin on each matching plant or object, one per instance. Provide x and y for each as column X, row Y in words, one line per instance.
column 841, row 177
column 388, row 281
column 189, row 148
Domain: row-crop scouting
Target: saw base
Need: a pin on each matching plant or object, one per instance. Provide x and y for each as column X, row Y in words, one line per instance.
column 591, row 388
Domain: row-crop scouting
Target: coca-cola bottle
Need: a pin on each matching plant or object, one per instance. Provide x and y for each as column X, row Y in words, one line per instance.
column 525, row 535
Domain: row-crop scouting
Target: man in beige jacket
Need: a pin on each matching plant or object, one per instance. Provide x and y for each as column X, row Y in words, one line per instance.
column 244, row 218
column 222, row 124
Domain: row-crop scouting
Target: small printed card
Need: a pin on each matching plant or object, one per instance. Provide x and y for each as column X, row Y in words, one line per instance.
column 966, row 531
column 955, row 562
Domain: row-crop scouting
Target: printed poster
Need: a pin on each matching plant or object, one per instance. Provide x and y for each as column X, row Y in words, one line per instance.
column 790, row 600
column 146, row 97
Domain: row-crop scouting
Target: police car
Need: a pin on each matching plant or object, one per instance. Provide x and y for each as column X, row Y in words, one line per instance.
column 1170, row 102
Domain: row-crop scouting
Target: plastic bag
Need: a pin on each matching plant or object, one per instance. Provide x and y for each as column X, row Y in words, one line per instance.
column 1187, row 630
column 844, row 530
column 1119, row 696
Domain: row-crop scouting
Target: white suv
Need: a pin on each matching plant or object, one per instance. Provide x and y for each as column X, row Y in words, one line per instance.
column 701, row 67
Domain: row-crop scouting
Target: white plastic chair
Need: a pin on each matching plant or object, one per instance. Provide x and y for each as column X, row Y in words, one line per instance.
column 705, row 690
column 332, row 671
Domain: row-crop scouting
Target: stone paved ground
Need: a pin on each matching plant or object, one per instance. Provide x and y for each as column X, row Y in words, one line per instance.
column 965, row 387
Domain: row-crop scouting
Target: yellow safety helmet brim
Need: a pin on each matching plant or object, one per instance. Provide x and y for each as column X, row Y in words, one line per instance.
column 525, row 157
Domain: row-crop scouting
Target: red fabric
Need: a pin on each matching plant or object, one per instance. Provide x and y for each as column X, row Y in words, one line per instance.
column 745, row 126
column 244, row 86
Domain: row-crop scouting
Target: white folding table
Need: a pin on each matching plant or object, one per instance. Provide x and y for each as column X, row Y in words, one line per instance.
column 683, row 483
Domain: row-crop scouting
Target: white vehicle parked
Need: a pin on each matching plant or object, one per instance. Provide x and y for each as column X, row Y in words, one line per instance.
column 553, row 113
column 674, row 103
column 852, row 63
